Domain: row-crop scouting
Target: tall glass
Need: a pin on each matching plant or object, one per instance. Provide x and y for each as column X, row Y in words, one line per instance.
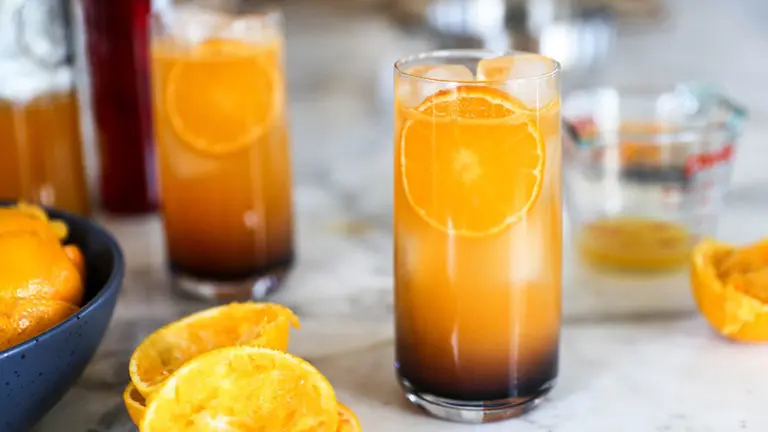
column 222, row 139
column 477, row 232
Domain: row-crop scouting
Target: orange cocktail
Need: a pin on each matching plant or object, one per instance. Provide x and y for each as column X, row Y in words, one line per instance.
column 478, row 236
column 223, row 151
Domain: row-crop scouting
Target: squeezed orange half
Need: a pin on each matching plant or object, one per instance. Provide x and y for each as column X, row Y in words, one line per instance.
column 477, row 242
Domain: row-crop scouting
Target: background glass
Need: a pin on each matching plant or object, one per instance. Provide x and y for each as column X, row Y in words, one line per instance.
column 647, row 171
column 222, row 140
column 41, row 154
column 116, row 38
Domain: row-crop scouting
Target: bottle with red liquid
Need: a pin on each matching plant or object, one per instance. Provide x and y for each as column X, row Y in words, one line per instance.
column 116, row 48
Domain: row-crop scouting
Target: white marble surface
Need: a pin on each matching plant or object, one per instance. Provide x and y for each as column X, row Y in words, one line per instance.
column 635, row 355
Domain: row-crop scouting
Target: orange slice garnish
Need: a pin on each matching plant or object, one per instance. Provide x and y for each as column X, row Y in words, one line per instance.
column 170, row 347
column 223, row 96
column 472, row 160
column 243, row 388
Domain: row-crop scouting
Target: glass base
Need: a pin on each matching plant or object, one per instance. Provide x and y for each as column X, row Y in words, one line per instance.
column 473, row 411
column 256, row 287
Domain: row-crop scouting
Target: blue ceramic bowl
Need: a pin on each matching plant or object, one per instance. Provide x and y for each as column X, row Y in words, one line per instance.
column 36, row 374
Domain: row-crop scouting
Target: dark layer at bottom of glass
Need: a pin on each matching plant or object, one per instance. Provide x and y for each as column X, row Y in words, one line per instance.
column 255, row 283
column 474, row 400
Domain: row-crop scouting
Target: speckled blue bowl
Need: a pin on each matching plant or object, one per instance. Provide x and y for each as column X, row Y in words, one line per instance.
column 36, row 374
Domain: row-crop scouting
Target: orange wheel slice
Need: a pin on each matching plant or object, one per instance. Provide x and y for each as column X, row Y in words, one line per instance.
column 243, row 388
column 471, row 160
column 730, row 286
column 223, row 97
column 135, row 404
column 168, row 348
column 348, row 421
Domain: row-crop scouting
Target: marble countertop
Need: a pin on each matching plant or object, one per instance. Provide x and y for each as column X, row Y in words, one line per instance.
column 636, row 357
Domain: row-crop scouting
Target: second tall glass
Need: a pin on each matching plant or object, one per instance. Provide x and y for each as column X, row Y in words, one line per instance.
column 222, row 140
column 477, row 232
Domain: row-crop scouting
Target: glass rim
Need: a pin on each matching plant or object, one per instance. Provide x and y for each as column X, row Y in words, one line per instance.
column 672, row 130
column 269, row 14
column 480, row 53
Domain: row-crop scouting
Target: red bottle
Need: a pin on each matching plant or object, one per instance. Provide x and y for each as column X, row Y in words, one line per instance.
column 117, row 45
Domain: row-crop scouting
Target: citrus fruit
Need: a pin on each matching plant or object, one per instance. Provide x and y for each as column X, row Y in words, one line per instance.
column 243, row 388
column 30, row 218
column 223, row 96
column 168, row 348
column 75, row 255
column 34, row 266
column 730, row 286
column 348, row 421
column 135, row 403
column 471, row 160
column 23, row 319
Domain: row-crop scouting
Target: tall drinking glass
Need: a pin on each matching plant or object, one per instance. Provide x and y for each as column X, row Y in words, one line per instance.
column 477, row 232
column 222, row 141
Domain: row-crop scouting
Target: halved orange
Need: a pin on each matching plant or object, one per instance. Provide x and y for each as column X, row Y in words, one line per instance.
column 135, row 403
column 23, row 319
column 348, row 421
column 136, row 406
column 471, row 160
column 170, row 347
column 222, row 97
column 243, row 388
column 730, row 286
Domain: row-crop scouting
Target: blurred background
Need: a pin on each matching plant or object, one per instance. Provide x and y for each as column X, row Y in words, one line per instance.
column 339, row 61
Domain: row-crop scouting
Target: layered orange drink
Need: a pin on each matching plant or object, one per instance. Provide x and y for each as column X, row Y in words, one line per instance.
column 478, row 231
column 222, row 140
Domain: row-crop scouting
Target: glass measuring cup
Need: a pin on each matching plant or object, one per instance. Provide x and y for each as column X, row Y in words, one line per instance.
column 646, row 171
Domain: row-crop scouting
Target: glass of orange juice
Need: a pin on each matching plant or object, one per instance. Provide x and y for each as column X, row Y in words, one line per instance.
column 218, row 90
column 477, row 232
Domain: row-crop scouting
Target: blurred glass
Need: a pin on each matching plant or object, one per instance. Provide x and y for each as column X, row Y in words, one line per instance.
column 40, row 139
column 116, row 52
column 646, row 171
column 578, row 34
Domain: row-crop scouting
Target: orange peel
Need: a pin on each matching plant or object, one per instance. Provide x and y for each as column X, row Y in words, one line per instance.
column 730, row 286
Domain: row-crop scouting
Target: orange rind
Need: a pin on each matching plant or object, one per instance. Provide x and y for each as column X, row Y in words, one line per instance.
column 36, row 267
column 170, row 347
column 24, row 319
column 730, row 286
column 135, row 403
